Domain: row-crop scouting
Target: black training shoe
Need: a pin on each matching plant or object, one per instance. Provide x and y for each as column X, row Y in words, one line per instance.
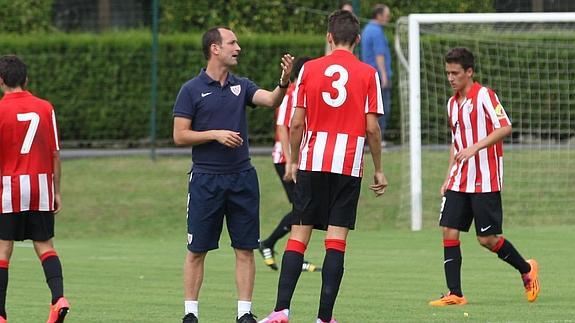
column 247, row 318
column 269, row 256
column 190, row 318
column 309, row 267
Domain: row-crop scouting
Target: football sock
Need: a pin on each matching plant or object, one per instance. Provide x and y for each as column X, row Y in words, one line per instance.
column 292, row 261
column 331, row 275
column 507, row 252
column 191, row 307
column 279, row 232
column 53, row 273
column 244, row 307
column 452, row 265
column 3, row 286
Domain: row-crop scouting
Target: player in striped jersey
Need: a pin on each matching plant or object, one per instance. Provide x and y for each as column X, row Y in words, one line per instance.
column 338, row 103
column 282, row 158
column 30, row 187
column 471, row 190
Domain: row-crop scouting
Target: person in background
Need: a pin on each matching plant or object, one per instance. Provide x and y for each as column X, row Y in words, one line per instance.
column 375, row 52
column 281, row 159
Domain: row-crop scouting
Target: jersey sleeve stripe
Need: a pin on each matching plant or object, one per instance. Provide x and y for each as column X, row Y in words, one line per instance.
column 57, row 145
column 318, row 150
column 339, row 153
column 7, row 194
column 378, row 94
column 282, row 110
column 300, row 102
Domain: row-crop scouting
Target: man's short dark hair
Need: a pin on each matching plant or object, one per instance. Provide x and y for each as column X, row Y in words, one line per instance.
column 212, row 36
column 298, row 65
column 461, row 56
column 13, row 71
column 377, row 10
column 343, row 26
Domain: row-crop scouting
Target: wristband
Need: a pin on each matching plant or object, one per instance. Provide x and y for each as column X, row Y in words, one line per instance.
column 282, row 86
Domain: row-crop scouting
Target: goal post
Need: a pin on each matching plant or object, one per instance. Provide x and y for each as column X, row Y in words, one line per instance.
column 502, row 34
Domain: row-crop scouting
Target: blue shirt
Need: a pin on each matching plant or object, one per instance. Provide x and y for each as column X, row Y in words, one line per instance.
column 374, row 43
column 211, row 106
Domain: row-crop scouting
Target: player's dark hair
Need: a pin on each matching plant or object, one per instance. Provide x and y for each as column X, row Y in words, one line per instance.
column 13, row 71
column 461, row 56
column 377, row 10
column 343, row 26
column 212, row 36
column 298, row 65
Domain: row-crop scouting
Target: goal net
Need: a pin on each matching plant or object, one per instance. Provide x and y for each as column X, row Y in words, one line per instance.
column 529, row 61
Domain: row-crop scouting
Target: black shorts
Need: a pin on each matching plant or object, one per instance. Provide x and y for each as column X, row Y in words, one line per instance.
column 288, row 186
column 211, row 197
column 323, row 199
column 33, row 225
column 459, row 209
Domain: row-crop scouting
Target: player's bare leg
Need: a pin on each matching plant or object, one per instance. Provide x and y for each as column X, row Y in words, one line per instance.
column 245, row 277
column 6, row 247
column 193, row 274
column 245, row 273
column 193, row 278
column 53, row 271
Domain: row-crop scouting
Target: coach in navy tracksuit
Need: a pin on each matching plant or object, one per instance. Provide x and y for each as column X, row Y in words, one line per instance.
column 209, row 114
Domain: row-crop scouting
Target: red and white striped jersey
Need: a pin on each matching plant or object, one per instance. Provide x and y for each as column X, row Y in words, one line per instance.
column 479, row 115
column 283, row 116
column 337, row 92
column 28, row 139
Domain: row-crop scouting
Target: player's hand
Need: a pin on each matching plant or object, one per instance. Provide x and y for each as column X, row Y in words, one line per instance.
column 379, row 184
column 293, row 167
column 288, row 174
column 286, row 64
column 229, row 138
column 465, row 154
column 57, row 202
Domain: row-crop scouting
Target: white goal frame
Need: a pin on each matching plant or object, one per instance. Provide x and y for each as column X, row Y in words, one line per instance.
column 414, row 65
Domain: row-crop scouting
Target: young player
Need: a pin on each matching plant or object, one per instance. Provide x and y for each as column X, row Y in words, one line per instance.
column 471, row 190
column 338, row 103
column 210, row 115
column 281, row 157
column 30, row 187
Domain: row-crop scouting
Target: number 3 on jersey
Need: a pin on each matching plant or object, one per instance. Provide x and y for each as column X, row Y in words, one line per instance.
column 338, row 84
column 34, row 119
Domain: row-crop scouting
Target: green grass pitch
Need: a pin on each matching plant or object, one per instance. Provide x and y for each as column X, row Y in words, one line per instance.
column 121, row 237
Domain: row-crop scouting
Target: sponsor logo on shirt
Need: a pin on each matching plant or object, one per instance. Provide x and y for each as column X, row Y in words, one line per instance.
column 499, row 112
